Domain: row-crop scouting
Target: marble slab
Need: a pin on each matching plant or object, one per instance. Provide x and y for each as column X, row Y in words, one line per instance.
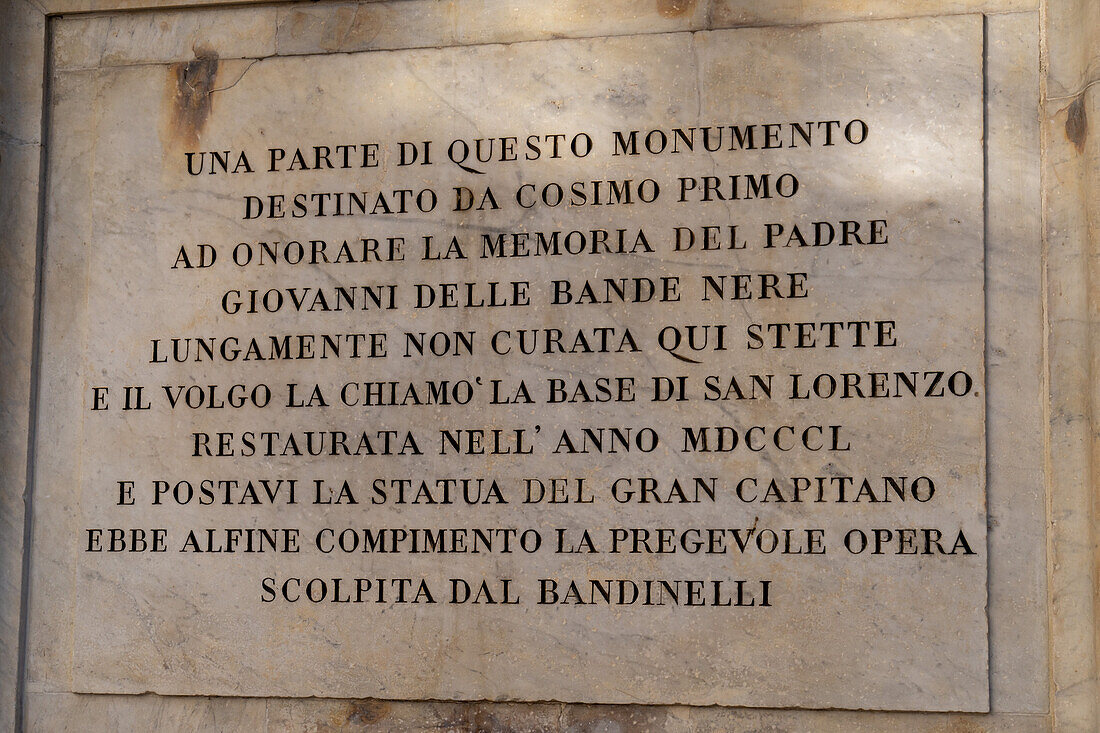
column 560, row 380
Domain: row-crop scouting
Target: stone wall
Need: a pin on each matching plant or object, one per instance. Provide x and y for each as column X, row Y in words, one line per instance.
column 1042, row 212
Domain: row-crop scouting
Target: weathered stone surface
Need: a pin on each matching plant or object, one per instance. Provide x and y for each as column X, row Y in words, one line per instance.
column 1014, row 368
column 22, row 33
column 839, row 627
column 107, row 40
column 69, row 712
column 742, row 12
column 1016, row 616
column 421, row 23
column 727, row 12
column 19, row 167
column 1071, row 238
column 309, row 28
column 52, row 603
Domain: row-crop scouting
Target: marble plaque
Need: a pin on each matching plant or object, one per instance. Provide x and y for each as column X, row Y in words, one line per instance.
column 628, row 369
